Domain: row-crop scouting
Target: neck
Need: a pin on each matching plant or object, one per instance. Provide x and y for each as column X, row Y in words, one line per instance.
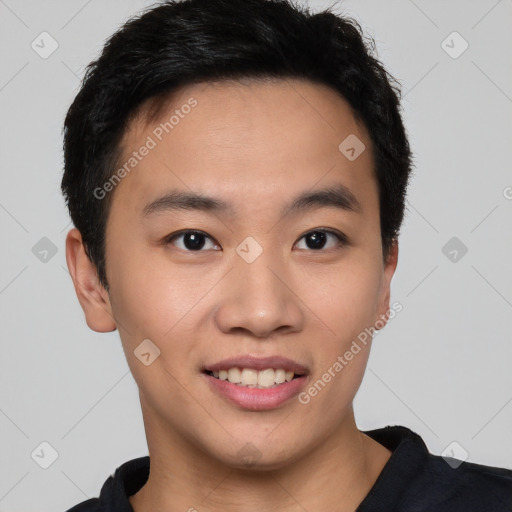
column 335, row 475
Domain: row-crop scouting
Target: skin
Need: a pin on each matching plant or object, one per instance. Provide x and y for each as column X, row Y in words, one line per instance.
column 255, row 145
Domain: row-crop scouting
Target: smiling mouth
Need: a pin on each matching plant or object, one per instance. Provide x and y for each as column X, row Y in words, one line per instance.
column 251, row 378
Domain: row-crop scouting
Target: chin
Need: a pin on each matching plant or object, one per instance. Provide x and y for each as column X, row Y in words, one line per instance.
column 265, row 463
column 258, row 454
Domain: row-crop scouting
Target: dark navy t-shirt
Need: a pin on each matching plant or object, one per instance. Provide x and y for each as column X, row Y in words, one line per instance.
column 413, row 480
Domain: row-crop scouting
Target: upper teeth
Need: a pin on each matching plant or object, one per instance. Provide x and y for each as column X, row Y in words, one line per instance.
column 254, row 378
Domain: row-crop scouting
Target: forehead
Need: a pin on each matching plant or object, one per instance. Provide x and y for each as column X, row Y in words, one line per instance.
column 246, row 141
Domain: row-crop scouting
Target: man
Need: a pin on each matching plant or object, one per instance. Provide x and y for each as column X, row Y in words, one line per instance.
column 236, row 172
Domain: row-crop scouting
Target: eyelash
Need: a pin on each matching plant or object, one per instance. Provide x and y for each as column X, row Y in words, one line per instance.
column 342, row 239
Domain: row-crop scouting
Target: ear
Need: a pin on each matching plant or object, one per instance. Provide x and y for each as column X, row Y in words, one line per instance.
column 388, row 272
column 91, row 294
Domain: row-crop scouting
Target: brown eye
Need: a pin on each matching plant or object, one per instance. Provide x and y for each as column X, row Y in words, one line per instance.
column 317, row 239
column 190, row 240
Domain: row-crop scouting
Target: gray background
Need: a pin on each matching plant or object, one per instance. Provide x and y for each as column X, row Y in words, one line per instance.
column 441, row 367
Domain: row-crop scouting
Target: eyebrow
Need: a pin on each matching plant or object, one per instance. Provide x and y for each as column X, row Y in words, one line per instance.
column 335, row 196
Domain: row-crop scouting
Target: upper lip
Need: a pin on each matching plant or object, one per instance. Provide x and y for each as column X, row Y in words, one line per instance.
column 258, row 363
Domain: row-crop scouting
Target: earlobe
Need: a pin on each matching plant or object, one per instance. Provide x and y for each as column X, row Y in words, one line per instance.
column 389, row 270
column 91, row 294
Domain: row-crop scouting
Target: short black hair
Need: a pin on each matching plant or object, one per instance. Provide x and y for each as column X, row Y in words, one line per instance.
column 175, row 44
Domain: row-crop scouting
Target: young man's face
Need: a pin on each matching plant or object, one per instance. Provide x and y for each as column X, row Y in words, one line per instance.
column 258, row 281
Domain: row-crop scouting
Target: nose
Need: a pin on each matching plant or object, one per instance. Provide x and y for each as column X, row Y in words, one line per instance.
column 258, row 300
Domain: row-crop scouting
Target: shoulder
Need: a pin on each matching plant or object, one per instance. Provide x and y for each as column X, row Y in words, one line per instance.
column 91, row 505
column 456, row 485
column 126, row 480
column 446, row 484
column 414, row 479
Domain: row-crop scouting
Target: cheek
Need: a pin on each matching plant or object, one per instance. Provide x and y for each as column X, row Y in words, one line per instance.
column 152, row 298
column 147, row 299
column 344, row 298
column 346, row 304
column 156, row 306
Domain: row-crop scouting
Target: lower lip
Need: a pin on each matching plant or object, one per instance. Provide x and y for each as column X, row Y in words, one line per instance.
column 256, row 399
